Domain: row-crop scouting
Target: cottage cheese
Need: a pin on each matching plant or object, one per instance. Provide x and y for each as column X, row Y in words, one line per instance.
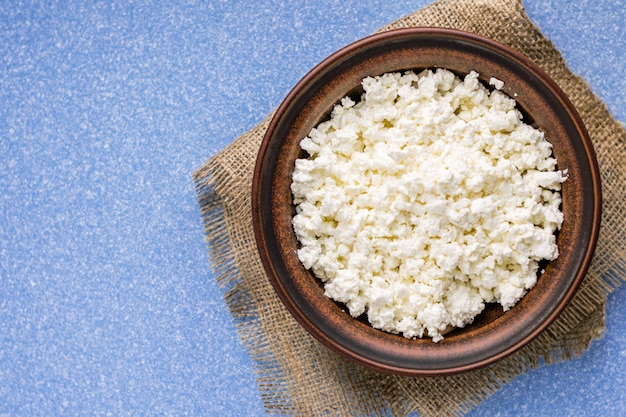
column 424, row 200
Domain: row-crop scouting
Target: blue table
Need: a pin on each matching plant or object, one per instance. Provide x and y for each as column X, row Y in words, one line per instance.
column 107, row 302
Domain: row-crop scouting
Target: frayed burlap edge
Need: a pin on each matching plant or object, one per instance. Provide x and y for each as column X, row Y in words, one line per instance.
column 298, row 376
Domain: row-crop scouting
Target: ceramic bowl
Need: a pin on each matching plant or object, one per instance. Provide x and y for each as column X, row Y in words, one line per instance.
column 493, row 335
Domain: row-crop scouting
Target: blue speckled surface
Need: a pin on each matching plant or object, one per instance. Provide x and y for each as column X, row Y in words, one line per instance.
column 107, row 302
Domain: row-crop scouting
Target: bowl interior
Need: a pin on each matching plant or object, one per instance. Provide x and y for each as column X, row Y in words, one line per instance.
column 493, row 334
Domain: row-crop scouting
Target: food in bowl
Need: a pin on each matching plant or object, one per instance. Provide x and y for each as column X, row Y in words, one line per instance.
column 425, row 199
column 494, row 334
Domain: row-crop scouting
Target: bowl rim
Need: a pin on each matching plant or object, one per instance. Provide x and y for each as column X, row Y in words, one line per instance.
column 258, row 206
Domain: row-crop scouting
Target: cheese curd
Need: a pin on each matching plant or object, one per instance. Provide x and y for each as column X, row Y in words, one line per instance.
column 424, row 200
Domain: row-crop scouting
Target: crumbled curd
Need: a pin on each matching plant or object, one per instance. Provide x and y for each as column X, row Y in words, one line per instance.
column 424, row 200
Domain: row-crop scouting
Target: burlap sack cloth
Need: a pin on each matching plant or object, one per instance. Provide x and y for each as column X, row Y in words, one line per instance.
column 299, row 376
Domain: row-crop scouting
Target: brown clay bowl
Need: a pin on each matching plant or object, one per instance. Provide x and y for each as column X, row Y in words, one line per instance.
column 494, row 334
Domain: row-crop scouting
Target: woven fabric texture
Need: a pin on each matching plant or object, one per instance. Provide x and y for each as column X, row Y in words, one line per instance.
column 299, row 376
